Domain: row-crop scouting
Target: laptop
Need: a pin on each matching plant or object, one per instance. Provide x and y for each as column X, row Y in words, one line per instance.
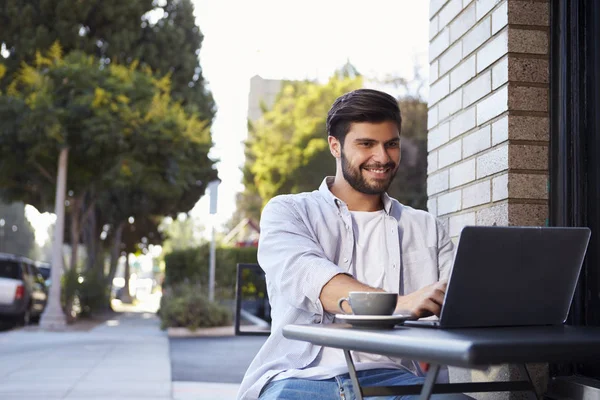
column 512, row 276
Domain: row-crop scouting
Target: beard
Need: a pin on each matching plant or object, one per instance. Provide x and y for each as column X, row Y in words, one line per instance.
column 354, row 176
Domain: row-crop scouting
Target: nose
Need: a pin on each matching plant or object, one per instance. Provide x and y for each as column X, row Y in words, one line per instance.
column 381, row 154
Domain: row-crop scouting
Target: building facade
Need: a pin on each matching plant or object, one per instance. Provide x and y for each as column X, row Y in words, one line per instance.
column 513, row 131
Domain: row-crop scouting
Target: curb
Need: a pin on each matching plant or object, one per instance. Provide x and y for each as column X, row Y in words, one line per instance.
column 217, row 331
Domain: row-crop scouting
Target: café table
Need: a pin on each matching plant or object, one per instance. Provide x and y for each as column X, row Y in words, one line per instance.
column 473, row 348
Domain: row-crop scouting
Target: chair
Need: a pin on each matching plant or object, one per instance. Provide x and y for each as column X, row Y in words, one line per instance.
column 251, row 301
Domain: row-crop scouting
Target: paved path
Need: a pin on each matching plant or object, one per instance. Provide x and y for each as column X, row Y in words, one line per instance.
column 124, row 358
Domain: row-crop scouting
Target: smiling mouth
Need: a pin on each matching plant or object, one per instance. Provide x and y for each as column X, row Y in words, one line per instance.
column 378, row 171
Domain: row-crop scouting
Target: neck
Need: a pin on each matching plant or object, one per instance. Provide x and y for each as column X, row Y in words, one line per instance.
column 355, row 200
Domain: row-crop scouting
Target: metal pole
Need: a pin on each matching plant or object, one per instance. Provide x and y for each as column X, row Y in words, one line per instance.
column 211, row 270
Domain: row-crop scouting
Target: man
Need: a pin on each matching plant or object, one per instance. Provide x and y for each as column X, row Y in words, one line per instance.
column 347, row 236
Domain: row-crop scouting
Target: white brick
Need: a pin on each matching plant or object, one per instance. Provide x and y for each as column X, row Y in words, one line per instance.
column 477, row 36
column 450, row 58
column 458, row 222
column 449, row 202
column 464, row 22
column 432, row 206
column 500, row 187
column 462, row 122
column 491, row 51
column 493, row 162
column 432, row 162
column 449, row 154
column 437, row 183
column 500, row 18
column 485, row 6
column 477, row 194
column 500, row 73
column 462, row 73
column 499, row 131
column 432, row 117
column 438, row 136
column 476, row 89
column 435, row 6
column 492, row 106
column 462, row 173
column 434, row 27
column 439, row 90
column 439, row 44
column 434, row 71
column 450, row 105
column 476, row 142
column 450, row 10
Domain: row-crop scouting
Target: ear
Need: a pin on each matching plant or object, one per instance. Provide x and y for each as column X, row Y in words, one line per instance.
column 335, row 147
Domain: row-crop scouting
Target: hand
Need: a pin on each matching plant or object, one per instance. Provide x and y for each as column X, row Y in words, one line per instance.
column 426, row 301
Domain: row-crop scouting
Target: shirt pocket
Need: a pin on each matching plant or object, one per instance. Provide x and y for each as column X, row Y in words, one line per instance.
column 419, row 268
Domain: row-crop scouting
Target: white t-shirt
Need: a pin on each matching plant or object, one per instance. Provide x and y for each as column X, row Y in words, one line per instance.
column 368, row 266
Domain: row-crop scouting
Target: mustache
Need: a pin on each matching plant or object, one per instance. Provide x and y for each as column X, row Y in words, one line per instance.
column 390, row 165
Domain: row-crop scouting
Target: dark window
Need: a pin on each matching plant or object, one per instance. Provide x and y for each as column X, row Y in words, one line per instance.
column 10, row 269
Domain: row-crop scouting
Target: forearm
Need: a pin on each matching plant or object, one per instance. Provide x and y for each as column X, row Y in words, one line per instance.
column 338, row 287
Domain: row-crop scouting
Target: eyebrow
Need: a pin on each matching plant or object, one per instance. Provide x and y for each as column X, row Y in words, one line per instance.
column 365, row 140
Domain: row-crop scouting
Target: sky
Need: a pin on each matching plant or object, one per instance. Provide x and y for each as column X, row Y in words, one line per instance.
column 283, row 39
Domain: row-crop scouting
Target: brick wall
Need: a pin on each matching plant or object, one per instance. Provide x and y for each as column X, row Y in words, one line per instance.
column 488, row 125
column 488, row 112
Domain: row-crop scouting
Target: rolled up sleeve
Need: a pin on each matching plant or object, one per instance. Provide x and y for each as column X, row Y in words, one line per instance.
column 445, row 251
column 295, row 264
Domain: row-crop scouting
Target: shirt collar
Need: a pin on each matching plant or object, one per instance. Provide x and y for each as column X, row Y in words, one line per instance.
column 324, row 190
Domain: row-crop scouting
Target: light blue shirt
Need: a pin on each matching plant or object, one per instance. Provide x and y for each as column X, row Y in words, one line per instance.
column 305, row 240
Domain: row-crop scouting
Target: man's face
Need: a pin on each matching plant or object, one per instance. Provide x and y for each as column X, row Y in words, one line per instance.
column 370, row 156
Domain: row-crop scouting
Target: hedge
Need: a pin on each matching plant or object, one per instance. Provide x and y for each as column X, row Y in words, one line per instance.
column 191, row 266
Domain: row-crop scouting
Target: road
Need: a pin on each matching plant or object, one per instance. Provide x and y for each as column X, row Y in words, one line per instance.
column 212, row 359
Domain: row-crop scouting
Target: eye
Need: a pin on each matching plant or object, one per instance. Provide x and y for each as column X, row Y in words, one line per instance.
column 393, row 144
column 365, row 144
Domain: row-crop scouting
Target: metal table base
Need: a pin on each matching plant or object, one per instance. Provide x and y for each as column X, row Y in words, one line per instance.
column 429, row 387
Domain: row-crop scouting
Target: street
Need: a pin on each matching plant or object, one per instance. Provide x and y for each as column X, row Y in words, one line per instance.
column 212, row 359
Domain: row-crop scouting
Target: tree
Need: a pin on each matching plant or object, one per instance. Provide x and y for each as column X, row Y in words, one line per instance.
column 113, row 31
column 287, row 149
column 128, row 137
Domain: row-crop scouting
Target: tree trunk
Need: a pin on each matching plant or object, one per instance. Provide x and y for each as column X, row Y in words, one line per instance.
column 53, row 316
column 126, row 298
column 115, row 252
column 75, row 229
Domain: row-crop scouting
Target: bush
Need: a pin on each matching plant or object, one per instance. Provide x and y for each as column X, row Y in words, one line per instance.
column 191, row 265
column 184, row 305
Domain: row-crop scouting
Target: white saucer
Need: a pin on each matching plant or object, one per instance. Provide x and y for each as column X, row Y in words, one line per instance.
column 372, row 321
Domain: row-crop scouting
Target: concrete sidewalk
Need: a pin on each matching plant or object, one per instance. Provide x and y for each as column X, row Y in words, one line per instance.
column 123, row 358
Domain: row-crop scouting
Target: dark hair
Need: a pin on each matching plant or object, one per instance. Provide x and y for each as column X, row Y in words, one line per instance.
column 361, row 105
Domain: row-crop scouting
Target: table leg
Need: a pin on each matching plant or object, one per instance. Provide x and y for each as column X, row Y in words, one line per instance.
column 430, row 378
column 353, row 377
column 532, row 394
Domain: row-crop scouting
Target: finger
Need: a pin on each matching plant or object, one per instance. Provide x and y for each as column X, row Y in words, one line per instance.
column 437, row 297
column 431, row 307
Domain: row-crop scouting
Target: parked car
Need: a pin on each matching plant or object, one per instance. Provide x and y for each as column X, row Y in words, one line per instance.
column 45, row 269
column 23, row 292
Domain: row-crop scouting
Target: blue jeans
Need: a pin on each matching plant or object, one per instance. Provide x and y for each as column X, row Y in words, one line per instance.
column 340, row 387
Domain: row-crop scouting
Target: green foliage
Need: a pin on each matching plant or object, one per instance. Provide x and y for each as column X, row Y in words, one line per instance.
column 191, row 265
column 116, row 31
column 185, row 305
column 94, row 294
